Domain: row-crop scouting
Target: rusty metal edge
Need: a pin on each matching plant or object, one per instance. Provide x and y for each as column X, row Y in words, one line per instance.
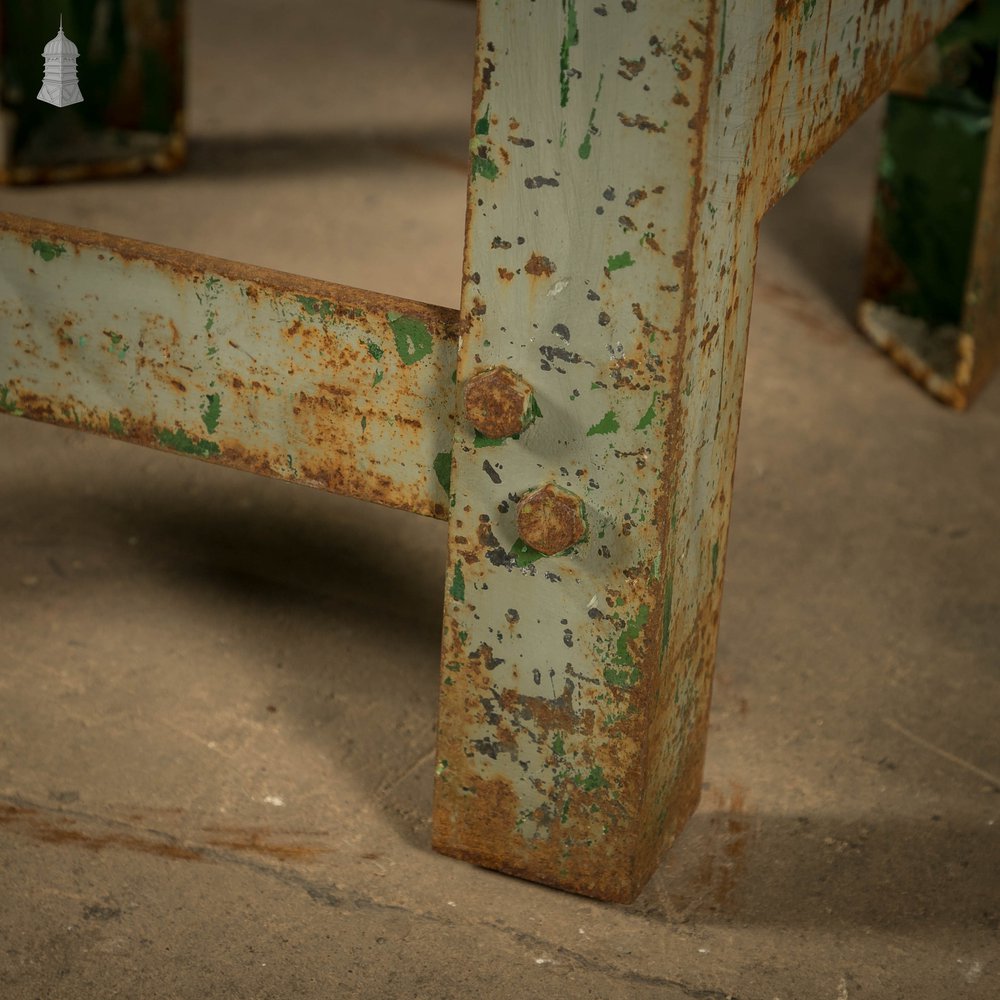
column 442, row 320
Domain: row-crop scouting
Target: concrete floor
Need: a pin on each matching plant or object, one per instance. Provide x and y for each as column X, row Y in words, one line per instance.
column 218, row 692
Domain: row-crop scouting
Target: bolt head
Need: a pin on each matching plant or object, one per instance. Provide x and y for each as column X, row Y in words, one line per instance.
column 550, row 519
column 498, row 402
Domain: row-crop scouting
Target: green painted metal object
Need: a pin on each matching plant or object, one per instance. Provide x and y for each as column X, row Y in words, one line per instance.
column 285, row 376
column 928, row 297
column 131, row 70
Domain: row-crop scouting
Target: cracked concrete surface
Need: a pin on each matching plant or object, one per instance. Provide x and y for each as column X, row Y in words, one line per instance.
column 218, row 693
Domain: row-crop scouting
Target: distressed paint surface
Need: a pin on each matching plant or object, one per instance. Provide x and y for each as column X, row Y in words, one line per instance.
column 289, row 377
column 622, row 156
column 132, row 78
column 928, row 299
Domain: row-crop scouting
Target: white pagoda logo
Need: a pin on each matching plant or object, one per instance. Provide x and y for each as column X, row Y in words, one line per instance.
column 59, row 85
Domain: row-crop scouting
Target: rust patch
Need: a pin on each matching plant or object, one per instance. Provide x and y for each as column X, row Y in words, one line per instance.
column 49, row 831
column 539, row 266
column 640, row 122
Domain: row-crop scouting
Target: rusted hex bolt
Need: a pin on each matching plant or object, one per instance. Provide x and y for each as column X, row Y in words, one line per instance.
column 498, row 403
column 550, row 519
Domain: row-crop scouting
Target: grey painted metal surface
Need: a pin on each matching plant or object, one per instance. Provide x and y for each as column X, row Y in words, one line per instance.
column 286, row 376
column 623, row 154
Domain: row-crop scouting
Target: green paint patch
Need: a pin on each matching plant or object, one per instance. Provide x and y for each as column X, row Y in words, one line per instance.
column 320, row 308
column 625, row 673
column 481, row 441
column 413, row 339
column 115, row 425
column 47, row 251
column 647, row 418
column 608, row 424
column 584, row 150
column 483, row 124
column 617, row 261
column 457, row 589
column 379, row 375
column 571, row 37
column 442, row 469
column 524, row 554
column 557, row 745
column 595, row 780
column 715, row 560
column 180, row 440
column 374, row 350
column 211, row 409
column 7, row 404
column 626, row 678
column 926, row 207
column 483, row 166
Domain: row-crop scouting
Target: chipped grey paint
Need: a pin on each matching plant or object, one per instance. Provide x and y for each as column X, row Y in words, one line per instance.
column 623, row 154
column 289, row 377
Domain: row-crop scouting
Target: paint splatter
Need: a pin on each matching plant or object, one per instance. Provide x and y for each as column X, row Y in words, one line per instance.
column 571, row 37
column 617, row 261
column 413, row 339
column 48, row 251
column 442, row 469
column 211, row 409
column 457, row 589
column 180, row 440
column 608, row 424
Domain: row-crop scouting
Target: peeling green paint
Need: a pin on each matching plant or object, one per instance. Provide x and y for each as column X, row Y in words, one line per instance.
column 617, row 261
column 457, row 589
column 413, row 339
column 483, row 124
column 179, row 440
column 7, row 404
column 322, row 309
column 595, row 779
column 211, row 409
column 524, row 554
column 115, row 425
column 379, row 375
column 48, row 251
column 647, row 418
column 629, row 675
column 557, row 745
column 442, row 469
column 483, row 166
column 374, row 350
column 584, row 150
column 481, row 441
column 608, row 424
column 571, row 37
